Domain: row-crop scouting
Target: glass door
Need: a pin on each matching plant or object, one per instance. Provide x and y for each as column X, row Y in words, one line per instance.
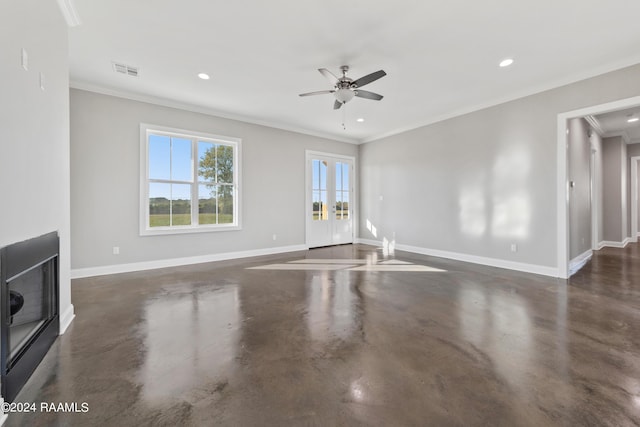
column 329, row 200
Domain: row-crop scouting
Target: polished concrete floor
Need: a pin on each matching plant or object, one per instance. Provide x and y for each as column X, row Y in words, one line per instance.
column 347, row 336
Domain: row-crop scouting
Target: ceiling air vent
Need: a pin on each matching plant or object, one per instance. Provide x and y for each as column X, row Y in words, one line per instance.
column 125, row 69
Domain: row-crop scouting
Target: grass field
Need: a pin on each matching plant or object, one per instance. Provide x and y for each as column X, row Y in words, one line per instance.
column 162, row 220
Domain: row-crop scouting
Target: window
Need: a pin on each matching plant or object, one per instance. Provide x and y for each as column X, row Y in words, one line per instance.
column 189, row 181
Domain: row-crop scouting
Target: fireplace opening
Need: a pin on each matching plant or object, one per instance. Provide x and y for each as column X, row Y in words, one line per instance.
column 28, row 308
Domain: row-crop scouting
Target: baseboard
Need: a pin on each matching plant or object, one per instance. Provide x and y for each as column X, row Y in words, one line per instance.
column 80, row 273
column 66, row 318
column 578, row 262
column 474, row 259
column 612, row 244
column 368, row 242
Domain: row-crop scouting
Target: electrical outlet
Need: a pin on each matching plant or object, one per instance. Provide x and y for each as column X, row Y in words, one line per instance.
column 275, row 237
column 116, row 250
column 514, row 247
column 41, row 81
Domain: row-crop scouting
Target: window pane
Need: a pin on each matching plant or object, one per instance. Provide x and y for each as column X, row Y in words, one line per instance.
column 339, row 204
column 159, row 205
column 207, row 204
column 338, row 176
column 159, row 157
column 181, row 166
column 225, row 204
column 180, row 204
column 224, row 164
column 206, row 161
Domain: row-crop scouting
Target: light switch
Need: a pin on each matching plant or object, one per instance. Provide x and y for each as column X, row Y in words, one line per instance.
column 24, row 59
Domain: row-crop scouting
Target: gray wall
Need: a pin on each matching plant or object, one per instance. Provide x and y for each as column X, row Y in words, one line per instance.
column 614, row 191
column 105, row 173
column 34, row 130
column 633, row 150
column 597, row 202
column 579, row 159
column 476, row 183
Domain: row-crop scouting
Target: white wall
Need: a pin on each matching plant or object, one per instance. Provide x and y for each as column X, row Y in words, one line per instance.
column 105, row 174
column 477, row 183
column 34, row 130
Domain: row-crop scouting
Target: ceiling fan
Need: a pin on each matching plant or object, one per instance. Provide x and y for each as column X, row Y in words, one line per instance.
column 344, row 88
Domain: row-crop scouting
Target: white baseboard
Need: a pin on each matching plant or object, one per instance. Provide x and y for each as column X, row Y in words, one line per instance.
column 80, row 273
column 474, row 259
column 66, row 318
column 578, row 262
column 612, row 244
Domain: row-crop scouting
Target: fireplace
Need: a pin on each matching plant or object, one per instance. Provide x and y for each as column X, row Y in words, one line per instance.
column 28, row 308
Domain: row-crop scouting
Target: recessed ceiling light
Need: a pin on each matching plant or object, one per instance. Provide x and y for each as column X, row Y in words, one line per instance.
column 633, row 119
column 360, row 120
column 506, row 62
column 204, row 76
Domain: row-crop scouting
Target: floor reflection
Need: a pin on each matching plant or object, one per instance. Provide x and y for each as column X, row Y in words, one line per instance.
column 332, row 307
column 188, row 338
column 498, row 323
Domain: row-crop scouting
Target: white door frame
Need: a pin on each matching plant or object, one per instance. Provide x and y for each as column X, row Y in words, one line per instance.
column 307, row 195
column 634, row 198
column 594, row 202
column 562, row 189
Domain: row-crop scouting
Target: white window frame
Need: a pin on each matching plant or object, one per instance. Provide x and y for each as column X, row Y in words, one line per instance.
column 148, row 129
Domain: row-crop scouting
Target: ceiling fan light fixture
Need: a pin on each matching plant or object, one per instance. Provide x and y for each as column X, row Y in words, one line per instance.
column 344, row 95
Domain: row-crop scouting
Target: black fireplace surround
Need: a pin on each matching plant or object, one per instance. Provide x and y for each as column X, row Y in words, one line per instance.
column 29, row 320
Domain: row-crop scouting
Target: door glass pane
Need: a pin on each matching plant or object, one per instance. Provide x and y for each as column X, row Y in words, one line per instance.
column 159, row 157
column 225, row 204
column 180, row 204
column 181, row 166
column 345, row 176
column 345, row 205
column 338, row 204
column 159, row 205
column 207, row 204
column 338, row 176
column 319, row 206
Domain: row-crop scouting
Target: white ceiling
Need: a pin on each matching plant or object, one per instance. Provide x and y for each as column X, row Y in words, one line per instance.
column 440, row 57
column 615, row 124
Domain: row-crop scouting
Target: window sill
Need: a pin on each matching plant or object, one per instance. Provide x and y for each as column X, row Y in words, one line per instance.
column 161, row 231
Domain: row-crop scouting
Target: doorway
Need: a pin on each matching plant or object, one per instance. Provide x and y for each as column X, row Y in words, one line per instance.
column 330, row 191
column 563, row 184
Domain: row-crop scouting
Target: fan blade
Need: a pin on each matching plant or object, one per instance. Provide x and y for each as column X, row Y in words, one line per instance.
column 329, row 75
column 319, row 92
column 337, row 105
column 369, row 78
column 368, row 95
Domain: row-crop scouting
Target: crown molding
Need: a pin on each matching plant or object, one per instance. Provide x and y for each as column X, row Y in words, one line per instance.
column 69, row 13
column 595, row 125
column 149, row 99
